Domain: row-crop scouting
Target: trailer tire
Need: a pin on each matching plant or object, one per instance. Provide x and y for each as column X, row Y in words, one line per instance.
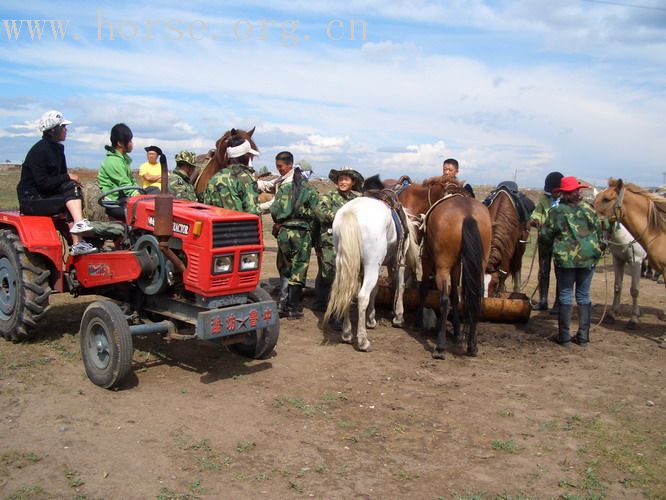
column 258, row 344
column 106, row 344
column 24, row 289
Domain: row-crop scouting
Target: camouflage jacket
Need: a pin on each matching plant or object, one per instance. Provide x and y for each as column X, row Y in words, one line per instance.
column 302, row 213
column 543, row 206
column 329, row 204
column 180, row 185
column 573, row 232
column 234, row 188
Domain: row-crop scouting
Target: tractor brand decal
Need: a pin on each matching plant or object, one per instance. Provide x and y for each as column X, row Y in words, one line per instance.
column 232, row 323
column 177, row 227
column 99, row 270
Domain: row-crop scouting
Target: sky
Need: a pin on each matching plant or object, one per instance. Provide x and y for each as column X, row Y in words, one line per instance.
column 512, row 89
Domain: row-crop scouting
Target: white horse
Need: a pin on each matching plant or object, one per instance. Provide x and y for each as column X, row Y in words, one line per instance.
column 365, row 238
column 626, row 251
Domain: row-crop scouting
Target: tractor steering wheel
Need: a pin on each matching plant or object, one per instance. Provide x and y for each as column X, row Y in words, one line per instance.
column 114, row 203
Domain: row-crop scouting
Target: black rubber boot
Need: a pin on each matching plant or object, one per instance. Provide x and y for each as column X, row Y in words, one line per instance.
column 542, row 305
column 556, row 304
column 563, row 323
column 322, row 292
column 294, row 302
column 582, row 337
column 283, row 297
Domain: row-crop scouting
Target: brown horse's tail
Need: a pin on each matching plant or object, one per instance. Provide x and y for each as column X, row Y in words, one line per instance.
column 471, row 253
column 347, row 266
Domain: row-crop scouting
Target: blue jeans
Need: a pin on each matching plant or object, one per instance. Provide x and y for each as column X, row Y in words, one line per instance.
column 581, row 277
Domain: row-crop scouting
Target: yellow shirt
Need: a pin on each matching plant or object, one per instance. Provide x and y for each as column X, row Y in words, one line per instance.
column 150, row 169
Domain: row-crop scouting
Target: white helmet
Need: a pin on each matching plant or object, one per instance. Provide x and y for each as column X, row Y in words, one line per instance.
column 52, row 119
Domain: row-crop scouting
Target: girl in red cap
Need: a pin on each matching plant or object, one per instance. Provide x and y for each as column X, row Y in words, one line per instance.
column 573, row 231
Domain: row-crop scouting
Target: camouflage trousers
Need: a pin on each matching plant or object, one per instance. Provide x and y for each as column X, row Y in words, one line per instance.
column 326, row 254
column 293, row 257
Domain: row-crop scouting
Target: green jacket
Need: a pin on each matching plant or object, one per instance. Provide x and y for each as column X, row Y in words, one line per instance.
column 573, row 232
column 302, row 213
column 114, row 172
column 328, row 206
column 180, row 185
column 234, row 188
column 540, row 212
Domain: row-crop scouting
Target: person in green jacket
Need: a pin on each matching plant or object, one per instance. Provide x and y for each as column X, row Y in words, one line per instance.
column 349, row 181
column 115, row 171
column 573, row 233
column 293, row 211
column 538, row 218
column 235, row 186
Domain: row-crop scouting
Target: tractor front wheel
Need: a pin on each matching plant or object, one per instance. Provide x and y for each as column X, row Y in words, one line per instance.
column 24, row 289
column 258, row 344
column 106, row 344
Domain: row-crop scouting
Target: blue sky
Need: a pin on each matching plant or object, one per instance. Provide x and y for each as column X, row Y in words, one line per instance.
column 510, row 88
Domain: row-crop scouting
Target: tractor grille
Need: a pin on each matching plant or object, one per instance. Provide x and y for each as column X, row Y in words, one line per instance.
column 232, row 233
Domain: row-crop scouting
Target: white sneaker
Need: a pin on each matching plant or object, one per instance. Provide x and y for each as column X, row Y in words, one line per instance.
column 83, row 226
column 82, row 248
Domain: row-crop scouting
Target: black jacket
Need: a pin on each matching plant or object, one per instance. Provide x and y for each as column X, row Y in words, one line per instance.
column 44, row 170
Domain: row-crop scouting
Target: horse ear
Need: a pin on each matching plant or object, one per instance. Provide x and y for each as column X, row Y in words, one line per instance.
column 619, row 184
column 250, row 132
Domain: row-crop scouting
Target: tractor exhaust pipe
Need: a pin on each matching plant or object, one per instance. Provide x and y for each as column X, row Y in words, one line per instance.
column 164, row 217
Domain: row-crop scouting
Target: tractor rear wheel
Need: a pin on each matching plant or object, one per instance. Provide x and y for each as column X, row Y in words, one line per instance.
column 24, row 289
column 106, row 344
column 258, row 344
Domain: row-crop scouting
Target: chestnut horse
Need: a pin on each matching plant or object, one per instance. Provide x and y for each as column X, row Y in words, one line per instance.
column 219, row 159
column 456, row 244
column 508, row 243
column 641, row 212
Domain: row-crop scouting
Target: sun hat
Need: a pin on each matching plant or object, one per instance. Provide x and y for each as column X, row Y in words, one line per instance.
column 568, row 184
column 52, row 119
column 356, row 177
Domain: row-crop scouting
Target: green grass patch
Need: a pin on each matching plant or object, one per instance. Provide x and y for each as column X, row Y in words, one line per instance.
column 30, row 492
column 403, row 475
column 371, row 433
column 245, row 446
column 507, row 446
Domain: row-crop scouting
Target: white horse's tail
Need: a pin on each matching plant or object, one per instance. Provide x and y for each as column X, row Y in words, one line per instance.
column 347, row 266
column 413, row 257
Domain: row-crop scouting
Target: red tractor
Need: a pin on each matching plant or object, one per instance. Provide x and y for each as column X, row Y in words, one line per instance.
column 181, row 269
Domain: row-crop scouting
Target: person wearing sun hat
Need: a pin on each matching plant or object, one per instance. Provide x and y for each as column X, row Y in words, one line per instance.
column 547, row 201
column 150, row 172
column 348, row 182
column 235, row 187
column 180, row 179
column 46, row 187
column 573, row 231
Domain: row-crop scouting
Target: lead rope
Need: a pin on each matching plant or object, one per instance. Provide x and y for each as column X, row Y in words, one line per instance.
column 529, row 274
column 603, row 313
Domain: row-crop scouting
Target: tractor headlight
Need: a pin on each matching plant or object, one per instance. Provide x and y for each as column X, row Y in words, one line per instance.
column 223, row 264
column 249, row 261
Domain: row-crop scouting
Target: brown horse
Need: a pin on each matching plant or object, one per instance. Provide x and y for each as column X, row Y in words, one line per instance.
column 508, row 243
column 641, row 212
column 220, row 159
column 456, row 244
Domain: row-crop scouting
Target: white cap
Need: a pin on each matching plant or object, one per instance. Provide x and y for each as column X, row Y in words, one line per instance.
column 241, row 149
column 52, row 119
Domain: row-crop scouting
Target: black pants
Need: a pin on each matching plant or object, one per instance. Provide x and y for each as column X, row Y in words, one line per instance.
column 34, row 204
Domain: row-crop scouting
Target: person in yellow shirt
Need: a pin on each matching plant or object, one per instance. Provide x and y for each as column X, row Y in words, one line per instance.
column 150, row 171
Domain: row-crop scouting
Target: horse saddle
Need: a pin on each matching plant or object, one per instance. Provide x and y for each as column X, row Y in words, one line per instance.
column 524, row 206
column 390, row 198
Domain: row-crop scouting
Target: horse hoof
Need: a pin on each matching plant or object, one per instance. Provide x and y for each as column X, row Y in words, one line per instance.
column 632, row 325
column 346, row 340
column 372, row 325
column 472, row 352
column 398, row 324
column 365, row 346
column 609, row 319
column 437, row 354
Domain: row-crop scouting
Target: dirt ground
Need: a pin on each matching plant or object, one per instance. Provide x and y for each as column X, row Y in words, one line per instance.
column 525, row 419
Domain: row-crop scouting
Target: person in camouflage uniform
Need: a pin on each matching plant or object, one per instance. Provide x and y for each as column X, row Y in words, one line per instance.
column 349, row 181
column 293, row 213
column 180, row 179
column 235, row 187
column 538, row 218
column 573, row 232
